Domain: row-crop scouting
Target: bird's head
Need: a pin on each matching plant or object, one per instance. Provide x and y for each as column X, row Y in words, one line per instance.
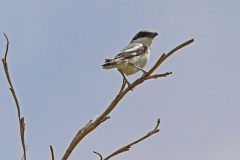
column 145, row 37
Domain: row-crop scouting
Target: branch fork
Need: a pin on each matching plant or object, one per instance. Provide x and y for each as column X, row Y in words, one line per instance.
column 127, row 147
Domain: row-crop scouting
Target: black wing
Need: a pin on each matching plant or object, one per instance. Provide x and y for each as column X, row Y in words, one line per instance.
column 133, row 49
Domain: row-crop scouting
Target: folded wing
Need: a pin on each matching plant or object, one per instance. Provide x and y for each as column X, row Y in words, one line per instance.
column 133, row 49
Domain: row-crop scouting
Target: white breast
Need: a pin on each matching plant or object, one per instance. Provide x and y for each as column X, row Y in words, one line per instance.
column 139, row 61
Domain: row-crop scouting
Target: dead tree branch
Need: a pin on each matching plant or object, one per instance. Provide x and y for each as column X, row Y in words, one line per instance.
column 98, row 154
column 23, row 154
column 51, row 148
column 127, row 147
column 21, row 119
column 93, row 124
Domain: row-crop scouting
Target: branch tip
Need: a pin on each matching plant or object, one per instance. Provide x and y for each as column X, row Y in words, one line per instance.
column 98, row 154
column 6, row 37
column 104, row 119
column 5, row 58
column 51, row 148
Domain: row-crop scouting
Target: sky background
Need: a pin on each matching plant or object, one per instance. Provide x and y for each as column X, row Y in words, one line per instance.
column 55, row 56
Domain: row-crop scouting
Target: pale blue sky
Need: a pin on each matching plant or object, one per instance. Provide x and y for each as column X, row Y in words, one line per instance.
column 55, row 57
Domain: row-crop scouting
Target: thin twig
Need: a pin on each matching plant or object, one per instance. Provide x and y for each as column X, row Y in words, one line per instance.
column 5, row 58
column 23, row 154
column 104, row 119
column 127, row 147
column 51, row 148
column 158, row 75
column 178, row 47
column 98, row 154
column 121, row 94
column 21, row 120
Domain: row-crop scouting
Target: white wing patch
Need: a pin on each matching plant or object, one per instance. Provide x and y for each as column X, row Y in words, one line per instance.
column 134, row 48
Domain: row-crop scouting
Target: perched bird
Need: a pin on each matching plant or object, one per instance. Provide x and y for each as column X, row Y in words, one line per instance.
column 134, row 57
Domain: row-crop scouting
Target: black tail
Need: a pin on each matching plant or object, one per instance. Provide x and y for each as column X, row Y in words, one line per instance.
column 109, row 64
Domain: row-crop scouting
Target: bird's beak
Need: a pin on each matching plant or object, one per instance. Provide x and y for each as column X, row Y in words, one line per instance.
column 154, row 34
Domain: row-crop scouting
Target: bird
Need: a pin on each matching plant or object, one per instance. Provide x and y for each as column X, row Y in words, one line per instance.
column 133, row 57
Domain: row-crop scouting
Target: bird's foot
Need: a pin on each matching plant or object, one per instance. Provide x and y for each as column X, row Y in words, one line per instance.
column 129, row 85
column 144, row 74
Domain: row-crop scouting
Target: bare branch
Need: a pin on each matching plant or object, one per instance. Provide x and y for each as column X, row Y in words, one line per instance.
column 5, row 58
column 127, row 147
column 91, row 126
column 158, row 75
column 75, row 141
column 98, row 154
column 163, row 57
column 16, row 100
column 178, row 47
column 51, row 148
column 23, row 154
column 104, row 119
column 21, row 120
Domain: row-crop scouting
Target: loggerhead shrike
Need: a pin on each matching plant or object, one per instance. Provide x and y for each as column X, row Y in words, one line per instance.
column 134, row 57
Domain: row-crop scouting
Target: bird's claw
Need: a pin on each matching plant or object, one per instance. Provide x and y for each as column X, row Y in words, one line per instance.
column 129, row 84
column 144, row 74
